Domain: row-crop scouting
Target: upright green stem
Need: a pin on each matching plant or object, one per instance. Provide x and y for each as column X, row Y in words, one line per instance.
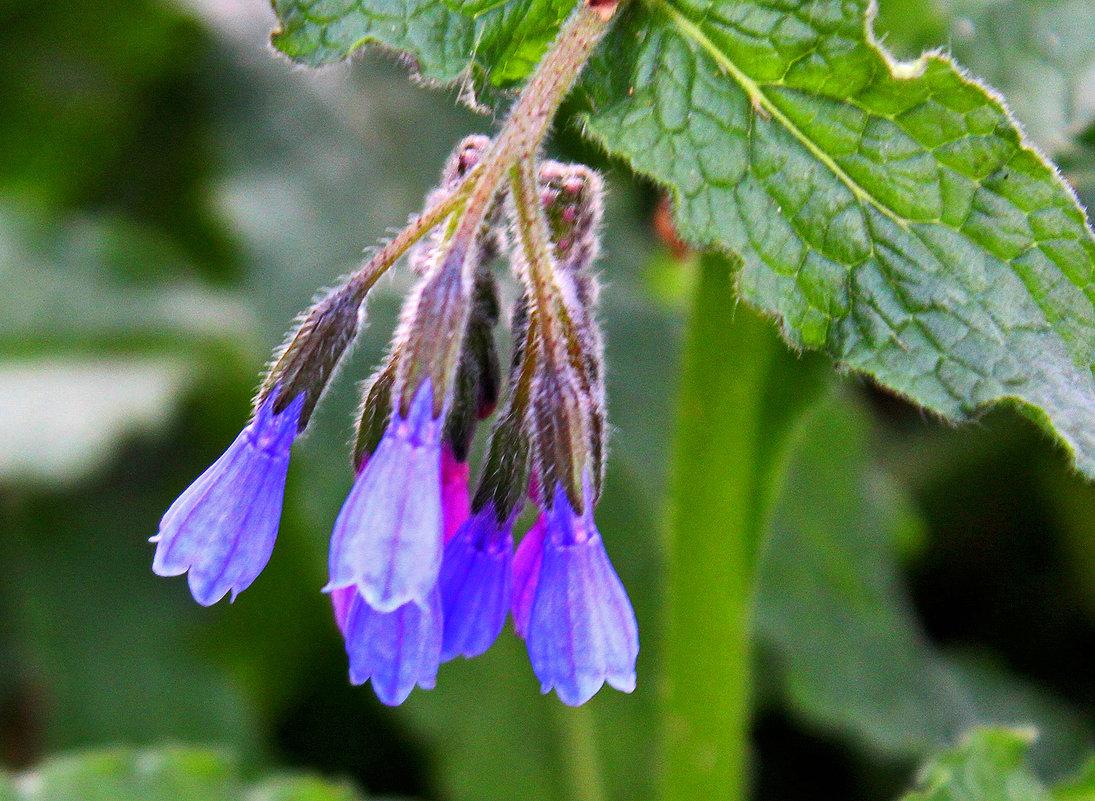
column 713, row 546
column 579, row 752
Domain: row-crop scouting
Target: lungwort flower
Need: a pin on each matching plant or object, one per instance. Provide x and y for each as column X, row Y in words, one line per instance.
column 395, row 650
column 419, row 571
column 222, row 529
column 388, row 537
column 476, row 583
column 574, row 612
column 400, row 649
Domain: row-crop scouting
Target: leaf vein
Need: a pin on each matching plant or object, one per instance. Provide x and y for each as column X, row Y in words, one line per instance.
column 759, row 99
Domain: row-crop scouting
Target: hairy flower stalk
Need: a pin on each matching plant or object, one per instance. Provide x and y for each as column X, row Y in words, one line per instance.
column 420, row 572
column 388, row 538
column 570, row 605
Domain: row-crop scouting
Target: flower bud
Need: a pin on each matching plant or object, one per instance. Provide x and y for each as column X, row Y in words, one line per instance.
column 493, row 239
column 431, row 332
column 492, row 235
column 376, row 411
column 561, row 426
column 441, row 312
column 571, row 196
column 567, row 414
column 505, row 473
column 475, row 394
column 310, row 356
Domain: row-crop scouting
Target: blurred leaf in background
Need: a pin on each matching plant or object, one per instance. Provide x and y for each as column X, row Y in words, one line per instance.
column 987, row 765
column 175, row 774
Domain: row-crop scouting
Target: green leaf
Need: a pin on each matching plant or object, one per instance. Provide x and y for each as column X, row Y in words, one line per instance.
column 889, row 214
column 831, row 609
column 169, row 774
column 493, row 42
column 987, row 766
column 1080, row 787
column 842, row 642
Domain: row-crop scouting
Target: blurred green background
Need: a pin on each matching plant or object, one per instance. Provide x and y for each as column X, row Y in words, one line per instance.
column 172, row 192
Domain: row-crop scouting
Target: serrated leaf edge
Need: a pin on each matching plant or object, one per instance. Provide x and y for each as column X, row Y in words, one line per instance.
column 899, row 70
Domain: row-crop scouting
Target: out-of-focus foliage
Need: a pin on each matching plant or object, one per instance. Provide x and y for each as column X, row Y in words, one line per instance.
column 991, row 765
column 843, row 641
column 74, row 328
column 171, row 193
column 1040, row 54
column 987, row 766
column 175, row 774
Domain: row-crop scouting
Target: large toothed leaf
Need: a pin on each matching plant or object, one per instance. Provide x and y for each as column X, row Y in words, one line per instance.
column 889, row 214
column 495, row 42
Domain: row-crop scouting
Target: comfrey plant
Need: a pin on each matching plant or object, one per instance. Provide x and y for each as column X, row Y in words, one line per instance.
column 421, row 571
column 891, row 215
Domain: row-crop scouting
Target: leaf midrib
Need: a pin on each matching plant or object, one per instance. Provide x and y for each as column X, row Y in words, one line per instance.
column 759, row 99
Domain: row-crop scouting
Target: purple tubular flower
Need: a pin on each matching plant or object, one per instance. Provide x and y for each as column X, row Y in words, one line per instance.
column 581, row 630
column 475, row 583
column 222, row 528
column 340, row 600
column 401, row 648
column 387, row 539
column 526, row 574
column 396, row 650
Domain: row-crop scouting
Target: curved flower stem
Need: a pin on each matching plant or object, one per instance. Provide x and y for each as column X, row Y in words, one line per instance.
column 520, row 138
column 541, row 281
column 529, row 119
column 536, row 246
column 364, row 279
column 516, row 144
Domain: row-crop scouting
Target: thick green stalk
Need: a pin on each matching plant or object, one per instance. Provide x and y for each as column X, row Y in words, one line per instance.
column 578, row 745
column 716, row 521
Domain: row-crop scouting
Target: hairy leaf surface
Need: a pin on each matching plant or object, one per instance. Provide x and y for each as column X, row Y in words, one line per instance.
column 888, row 214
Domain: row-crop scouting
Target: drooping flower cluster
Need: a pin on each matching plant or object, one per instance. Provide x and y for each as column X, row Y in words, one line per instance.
column 421, row 570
